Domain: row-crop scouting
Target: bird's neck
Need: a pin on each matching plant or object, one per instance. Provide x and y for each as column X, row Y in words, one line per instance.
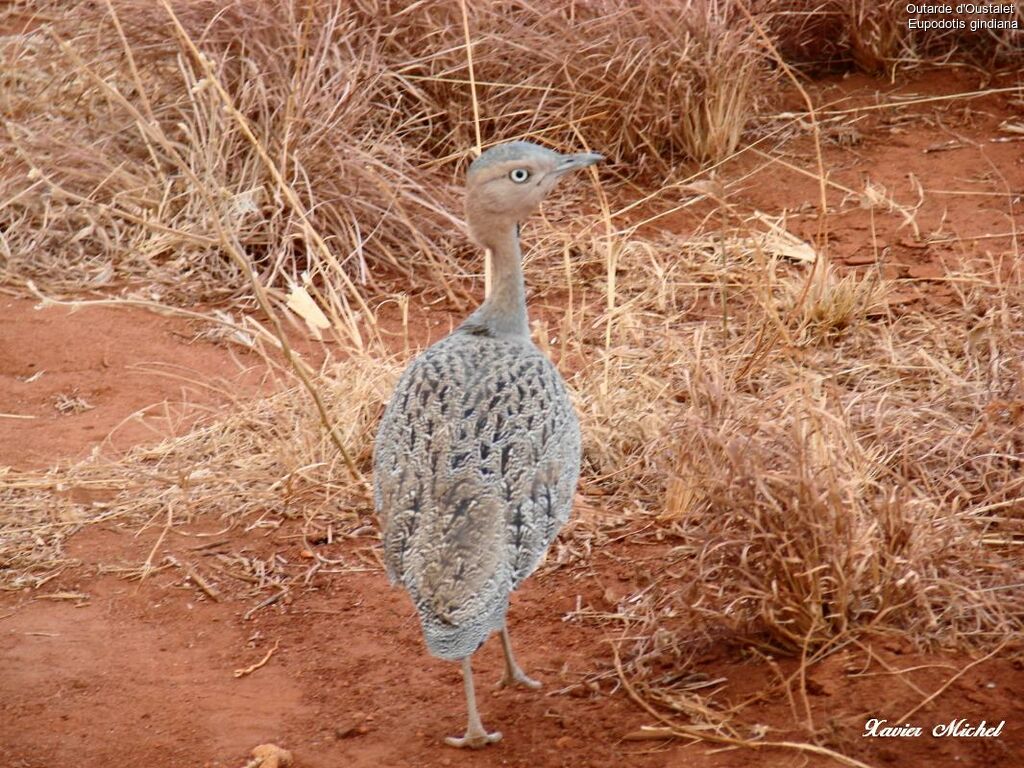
column 504, row 311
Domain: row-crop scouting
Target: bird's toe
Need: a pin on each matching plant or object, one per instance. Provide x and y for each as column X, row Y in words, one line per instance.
column 473, row 740
column 520, row 678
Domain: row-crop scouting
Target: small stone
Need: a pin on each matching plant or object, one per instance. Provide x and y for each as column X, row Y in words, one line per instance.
column 354, row 726
column 860, row 259
column 272, row 756
column 926, row 271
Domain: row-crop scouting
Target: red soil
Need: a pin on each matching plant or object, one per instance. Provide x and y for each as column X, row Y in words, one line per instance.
column 142, row 674
column 105, row 376
column 949, row 163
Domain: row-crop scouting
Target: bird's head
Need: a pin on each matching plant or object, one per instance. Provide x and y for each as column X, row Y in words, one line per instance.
column 507, row 183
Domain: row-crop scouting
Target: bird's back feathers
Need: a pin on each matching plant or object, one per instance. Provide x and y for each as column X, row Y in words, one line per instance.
column 475, row 468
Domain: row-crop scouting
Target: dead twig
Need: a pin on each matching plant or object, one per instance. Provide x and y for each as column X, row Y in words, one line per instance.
column 264, row 603
column 262, row 662
column 925, row 702
column 197, row 578
column 672, row 730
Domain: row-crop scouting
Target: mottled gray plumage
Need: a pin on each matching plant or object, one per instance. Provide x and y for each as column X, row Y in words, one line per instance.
column 476, row 465
column 510, row 150
column 477, row 454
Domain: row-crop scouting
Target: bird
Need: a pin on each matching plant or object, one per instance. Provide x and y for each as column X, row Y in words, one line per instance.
column 477, row 454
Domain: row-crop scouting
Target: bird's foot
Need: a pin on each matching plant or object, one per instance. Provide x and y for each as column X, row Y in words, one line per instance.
column 475, row 738
column 516, row 676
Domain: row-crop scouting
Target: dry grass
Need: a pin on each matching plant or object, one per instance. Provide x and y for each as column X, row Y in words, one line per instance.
column 861, row 476
column 130, row 162
column 881, row 39
column 649, row 83
column 134, row 165
column 265, row 462
column 875, row 36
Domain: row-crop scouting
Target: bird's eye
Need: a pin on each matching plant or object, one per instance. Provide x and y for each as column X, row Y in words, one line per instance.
column 519, row 175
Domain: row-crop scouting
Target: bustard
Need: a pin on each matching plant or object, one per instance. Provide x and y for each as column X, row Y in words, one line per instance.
column 478, row 451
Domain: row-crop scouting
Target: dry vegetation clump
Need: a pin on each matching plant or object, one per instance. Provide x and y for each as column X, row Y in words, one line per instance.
column 822, row 469
column 291, row 132
column 871, row 479
column 875, row 36
column 264, row 462
column 129, row 161
column 38, row 515
column 881, row 38
column 649, row 83
column 827, row 305
column 325, row 137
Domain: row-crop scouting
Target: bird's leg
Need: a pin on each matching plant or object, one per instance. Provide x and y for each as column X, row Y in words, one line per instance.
column 513, row 674
column 476, row 737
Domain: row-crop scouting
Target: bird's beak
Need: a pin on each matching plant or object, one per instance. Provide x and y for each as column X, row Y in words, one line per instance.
column 574, row 162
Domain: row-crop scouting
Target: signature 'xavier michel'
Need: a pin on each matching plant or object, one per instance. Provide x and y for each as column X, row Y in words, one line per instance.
column 478, row 451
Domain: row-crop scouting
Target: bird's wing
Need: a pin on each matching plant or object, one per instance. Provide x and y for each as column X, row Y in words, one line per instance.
column 442, row 514
column 478, row 448
column 549, row 475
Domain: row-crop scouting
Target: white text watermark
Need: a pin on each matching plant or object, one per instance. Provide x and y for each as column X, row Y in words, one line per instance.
column 878, row 728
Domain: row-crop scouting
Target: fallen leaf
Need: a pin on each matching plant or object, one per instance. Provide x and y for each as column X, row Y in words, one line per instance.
column 302, row 304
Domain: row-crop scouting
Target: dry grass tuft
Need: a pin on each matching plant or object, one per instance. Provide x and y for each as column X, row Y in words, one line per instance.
column 876, row 37
column 876, row 33
column 265, row 462
column 130, row 164
column 862, row 476
column 832, row 304
column 648, row 83
column 853, row 485
column 130, row 160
